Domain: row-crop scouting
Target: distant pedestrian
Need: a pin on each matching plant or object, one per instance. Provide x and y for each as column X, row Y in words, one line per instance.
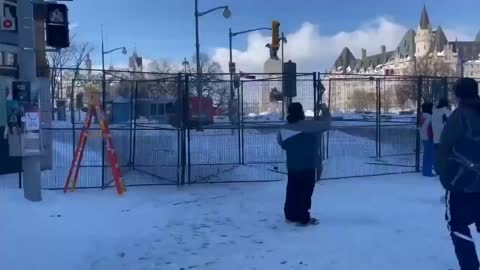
column 458, row 164
column 300, row 139
column 440, row 115
column 426, row 135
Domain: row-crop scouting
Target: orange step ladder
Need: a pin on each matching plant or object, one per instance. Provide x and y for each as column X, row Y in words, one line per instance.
column 95, row 111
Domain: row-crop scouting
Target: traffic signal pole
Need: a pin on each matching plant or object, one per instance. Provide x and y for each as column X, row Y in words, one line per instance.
column 27, row 72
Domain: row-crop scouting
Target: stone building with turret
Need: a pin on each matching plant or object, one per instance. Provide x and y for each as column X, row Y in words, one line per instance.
column 424, row 51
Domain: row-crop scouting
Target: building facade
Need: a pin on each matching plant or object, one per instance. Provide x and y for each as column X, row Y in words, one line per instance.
column 426, row 51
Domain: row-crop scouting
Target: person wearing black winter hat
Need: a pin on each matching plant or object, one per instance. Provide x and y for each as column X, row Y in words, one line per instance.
column 458, row 164
column 299, row 138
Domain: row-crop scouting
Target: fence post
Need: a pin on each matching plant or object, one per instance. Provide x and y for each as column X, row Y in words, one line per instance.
column 183, row 118
column 330, row 107
column 243, row 124
column 315, row 95
column 72, row 119
column 379, row 117
column 52, row 103
column 239, row 127
column 130, row 128
column 135, row 99
column 104, row 108
column 419, row 111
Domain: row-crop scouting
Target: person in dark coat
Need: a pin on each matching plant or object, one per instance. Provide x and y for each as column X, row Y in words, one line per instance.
column 458, row 164
column 300, row 139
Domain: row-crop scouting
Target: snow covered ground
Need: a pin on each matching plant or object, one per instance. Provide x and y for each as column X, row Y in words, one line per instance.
column 389, row 222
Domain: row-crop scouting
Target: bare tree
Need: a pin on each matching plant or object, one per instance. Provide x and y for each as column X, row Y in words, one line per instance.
column 404, row 94
column 431, row 69
column 57, row 61
column 161, row 66
column 80, row 53
column 386, row 101
column 428, row 66
column 164, row 80
column 362, row 100
column 211, row 84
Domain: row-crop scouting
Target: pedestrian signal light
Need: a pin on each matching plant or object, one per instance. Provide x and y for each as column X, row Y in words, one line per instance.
column 58, row 35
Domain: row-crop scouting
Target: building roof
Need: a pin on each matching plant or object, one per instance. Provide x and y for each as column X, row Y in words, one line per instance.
column 375, row 60
column 467, row 50
column 406, row 47
column 424, row 20
column 345, row 59
column 439, row 40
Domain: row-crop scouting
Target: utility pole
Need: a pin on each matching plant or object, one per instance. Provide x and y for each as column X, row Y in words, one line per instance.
column 27, row 72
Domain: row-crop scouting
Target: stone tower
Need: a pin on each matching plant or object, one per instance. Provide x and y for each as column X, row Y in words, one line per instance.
column 424, row 36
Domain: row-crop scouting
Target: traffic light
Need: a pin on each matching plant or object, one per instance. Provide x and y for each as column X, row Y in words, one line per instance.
column 275, row 34
column 58, row 34
column 289, row 81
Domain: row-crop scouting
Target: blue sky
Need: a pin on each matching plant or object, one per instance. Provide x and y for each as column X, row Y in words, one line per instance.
column 165, row 28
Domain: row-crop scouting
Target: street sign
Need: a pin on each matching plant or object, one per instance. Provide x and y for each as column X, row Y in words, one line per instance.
column 8, row 16
column 32, row 121
column 21, row 92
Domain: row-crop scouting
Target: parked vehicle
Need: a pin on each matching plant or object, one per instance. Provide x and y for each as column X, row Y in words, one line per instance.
column 199, row 113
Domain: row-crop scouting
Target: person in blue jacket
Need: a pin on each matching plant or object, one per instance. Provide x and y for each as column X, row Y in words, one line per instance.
column 300, row 139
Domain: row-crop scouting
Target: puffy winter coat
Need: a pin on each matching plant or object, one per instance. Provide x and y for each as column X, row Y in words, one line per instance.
column 426, row 131
column 463, row 122
column 439, row 119
column 301, row 140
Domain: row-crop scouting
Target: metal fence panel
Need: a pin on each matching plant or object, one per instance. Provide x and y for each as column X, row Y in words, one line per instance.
column 184, row 128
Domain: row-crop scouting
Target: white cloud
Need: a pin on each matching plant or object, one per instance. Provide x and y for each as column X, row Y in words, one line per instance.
column 314, row 51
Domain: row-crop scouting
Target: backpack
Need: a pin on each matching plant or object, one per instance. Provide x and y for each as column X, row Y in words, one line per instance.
column 463, row 173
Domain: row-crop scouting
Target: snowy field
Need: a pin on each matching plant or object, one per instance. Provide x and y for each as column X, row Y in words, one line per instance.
column 389, row 222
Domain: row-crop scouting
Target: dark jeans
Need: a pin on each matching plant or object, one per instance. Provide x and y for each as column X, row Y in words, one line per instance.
column 428, row 158
column 298, row 200
column 463, row 210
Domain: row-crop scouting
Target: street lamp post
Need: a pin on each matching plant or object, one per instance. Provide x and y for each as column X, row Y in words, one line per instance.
column 104, row 86
column 226, row 13
column 284, row 41
column 230, row 37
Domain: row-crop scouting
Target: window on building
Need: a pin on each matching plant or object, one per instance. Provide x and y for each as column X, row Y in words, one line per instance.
column 2, row 58
column 10, row 59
